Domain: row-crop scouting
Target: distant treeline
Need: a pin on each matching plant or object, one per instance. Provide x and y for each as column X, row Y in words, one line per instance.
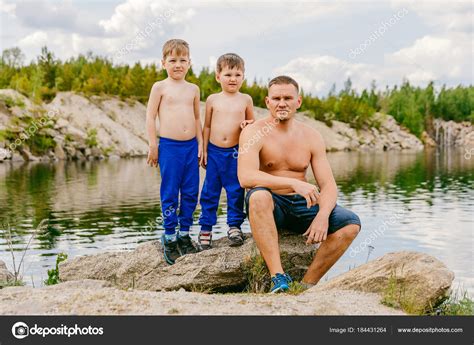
column 413, row 107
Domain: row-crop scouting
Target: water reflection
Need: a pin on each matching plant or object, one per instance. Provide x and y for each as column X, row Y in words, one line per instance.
column 96, row 206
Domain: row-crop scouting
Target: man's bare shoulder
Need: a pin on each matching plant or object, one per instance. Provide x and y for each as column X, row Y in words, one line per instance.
column 310, row 134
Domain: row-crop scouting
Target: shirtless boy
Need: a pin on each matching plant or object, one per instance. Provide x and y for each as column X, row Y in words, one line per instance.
column 227, row 113
column 179, row 153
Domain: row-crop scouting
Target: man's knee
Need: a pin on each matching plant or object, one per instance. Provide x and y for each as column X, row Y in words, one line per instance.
column 260, row 201
column 351, row 230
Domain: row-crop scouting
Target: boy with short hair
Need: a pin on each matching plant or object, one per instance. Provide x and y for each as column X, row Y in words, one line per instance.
column 179, row 153
column 227, row 113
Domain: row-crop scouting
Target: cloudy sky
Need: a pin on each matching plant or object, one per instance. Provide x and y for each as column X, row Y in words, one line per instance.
column 317, row 42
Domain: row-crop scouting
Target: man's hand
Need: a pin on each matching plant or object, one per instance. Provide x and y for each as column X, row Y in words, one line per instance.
column 318, row 230
column 204, row 159
column 244, row 123
column 152, row 159
column 308, row 191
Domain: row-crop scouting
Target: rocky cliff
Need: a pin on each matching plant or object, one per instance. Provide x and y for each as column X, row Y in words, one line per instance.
column 76, row 127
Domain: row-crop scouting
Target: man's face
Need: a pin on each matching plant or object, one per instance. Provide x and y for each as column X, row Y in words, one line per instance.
column 283, row 101
column 176, row 65
column 230, row 79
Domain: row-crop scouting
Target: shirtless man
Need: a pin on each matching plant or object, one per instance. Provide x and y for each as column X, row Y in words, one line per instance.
column 179, row 153
column 227, row 113
column 273, row 167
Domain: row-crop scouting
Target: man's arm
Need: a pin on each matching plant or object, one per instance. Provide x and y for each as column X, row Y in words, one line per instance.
column 151, row 114
column 323, row 175
column 318, row 230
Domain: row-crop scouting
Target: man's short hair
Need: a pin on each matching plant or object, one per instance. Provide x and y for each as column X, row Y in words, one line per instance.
column 231, row 61
column 180, row 47
column 282, row 80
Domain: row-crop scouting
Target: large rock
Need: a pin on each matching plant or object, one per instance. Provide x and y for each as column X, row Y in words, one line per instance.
column 222, row 268
column 411, row 280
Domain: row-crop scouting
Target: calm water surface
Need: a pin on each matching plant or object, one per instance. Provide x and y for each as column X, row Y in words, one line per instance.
column 406, row 201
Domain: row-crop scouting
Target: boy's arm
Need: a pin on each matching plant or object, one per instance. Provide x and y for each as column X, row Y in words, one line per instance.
column 206, row 132
column 151, row 114
column 249, row 117
column 249, row 110
column 197, row 118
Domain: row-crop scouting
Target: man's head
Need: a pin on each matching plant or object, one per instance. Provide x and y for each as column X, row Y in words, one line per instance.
column 283, row 97
column 176, row 59
column 230, row 70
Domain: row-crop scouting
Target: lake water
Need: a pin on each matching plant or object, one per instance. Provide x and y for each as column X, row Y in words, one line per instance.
column 406, row 201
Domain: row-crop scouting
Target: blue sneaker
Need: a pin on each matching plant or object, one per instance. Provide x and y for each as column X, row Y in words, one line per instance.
column 281, row 283
column 170, row 250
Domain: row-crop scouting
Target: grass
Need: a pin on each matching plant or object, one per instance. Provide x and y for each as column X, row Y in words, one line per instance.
column 258, row 276
column 18, row 281
column 397, row 296
column 53, row 274
column 91, row 140
column 458, row 303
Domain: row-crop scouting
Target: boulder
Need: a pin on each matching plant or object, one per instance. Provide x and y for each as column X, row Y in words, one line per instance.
column 6, row 277
column 427, row 140
column 59, row 152
column 27, row 155
column 221, row 268
column 410, row 280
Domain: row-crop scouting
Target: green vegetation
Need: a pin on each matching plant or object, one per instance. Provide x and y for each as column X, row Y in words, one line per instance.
column 397, row 296
column 53, row 274
column 413, row 107
column 91, row 140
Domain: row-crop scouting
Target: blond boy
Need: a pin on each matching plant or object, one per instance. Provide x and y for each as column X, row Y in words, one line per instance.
column 227, row 113
column 179, row 152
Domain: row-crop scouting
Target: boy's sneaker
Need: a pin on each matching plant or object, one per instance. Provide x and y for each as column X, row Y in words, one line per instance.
column 170, row 250
column 281, row 283
column 235, row 236
column 205, row 240
column 185, row 245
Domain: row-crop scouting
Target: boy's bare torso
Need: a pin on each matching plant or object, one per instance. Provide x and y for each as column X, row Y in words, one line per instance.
column 176, row 110
column 228, row 112
column 285, row 152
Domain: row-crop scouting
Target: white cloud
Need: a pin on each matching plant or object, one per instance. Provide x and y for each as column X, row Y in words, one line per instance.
column 34, row 40
column 316, row 74
column 446, row 59
column 7, row 8
column 450, row 16
column 435, row 57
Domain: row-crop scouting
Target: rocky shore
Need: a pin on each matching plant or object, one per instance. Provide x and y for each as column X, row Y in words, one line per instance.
column 231, row 281
column 75, row 127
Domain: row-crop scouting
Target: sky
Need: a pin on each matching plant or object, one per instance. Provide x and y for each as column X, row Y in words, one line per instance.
column 319, row 43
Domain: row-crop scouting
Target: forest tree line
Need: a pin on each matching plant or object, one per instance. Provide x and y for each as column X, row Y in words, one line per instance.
column 413, row 107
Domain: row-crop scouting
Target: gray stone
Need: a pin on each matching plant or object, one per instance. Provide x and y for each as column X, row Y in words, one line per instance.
column 419, row 280
column 222, row 268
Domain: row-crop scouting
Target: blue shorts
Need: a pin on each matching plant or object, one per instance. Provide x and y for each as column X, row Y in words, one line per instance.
column 291, row 213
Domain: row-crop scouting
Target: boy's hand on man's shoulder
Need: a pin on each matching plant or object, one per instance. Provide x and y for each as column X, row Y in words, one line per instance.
column 244, row 123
